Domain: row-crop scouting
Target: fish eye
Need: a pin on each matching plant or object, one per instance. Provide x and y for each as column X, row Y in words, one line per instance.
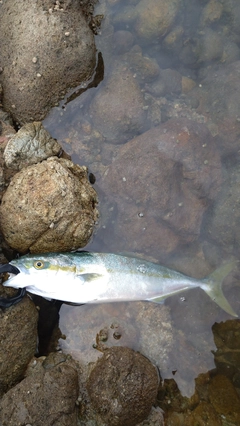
column 38, row 264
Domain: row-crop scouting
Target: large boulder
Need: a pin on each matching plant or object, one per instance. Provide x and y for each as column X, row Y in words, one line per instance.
column 46, row 397
column 161, row 183
column 46, row 48
column 18, row 336
column 123, row 386
column 49, row 206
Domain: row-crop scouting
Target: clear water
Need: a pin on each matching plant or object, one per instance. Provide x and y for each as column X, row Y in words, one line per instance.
column 200, row 49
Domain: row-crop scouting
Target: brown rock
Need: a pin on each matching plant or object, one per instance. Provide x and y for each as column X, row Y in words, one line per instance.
column 46, row 397
column 154, row 18
column 117, row 109
column 162, row 182
column 224, row 398
column 44, row 52
column 50, row 206
column 123, row 386
column 203, row 414
column 18, row 337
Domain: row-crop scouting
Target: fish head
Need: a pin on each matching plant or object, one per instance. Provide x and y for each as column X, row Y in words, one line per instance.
column 38, row 270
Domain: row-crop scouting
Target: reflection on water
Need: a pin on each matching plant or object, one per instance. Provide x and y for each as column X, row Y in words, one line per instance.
column 161, row 135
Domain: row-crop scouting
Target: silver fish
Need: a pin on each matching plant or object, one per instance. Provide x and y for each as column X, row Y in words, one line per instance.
column 83, row 277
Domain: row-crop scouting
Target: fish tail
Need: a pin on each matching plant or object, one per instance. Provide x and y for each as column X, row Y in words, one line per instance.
column 213, row 286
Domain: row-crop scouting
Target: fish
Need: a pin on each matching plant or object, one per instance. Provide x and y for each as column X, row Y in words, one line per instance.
column 85, row 277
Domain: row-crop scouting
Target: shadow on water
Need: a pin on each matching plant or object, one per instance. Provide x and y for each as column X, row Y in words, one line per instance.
column 161, row 135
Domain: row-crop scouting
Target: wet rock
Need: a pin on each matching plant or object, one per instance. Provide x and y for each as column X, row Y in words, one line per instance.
column 88, row 327
column 30, row 145
column 117, row 109
column 227, row 355
column 50, row 206
column 203, row 414
column 123, row 41
column 141, row 326
column 205, row 48
column 145, row 69
column 123, row 386
column 168, row 82
column 155, row 418
column 222, row 222
column 162, row 183
column 224, row 398
column 211, row 13
column 18, row 336
column 44, row 52
column 155, row 18
column 187, row 84
column 209, row 46
column 219, row 93
column 155, row 331
column 47, row 396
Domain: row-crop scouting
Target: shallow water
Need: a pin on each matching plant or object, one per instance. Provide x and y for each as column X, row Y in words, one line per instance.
column 181, row 208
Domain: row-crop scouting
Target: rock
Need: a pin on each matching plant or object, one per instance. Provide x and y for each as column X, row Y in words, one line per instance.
column 30, row 145
column 123, row 386
column 18, row 336
column 219, row 93
column 142, row 326
column 209, row 46
column 162, row 183
column 222, row 222
column 211, row 13
column 155, row 418
column 155, row 331
column 224, row 398
column 227, row 355
column 145, row 69
column 123, row 41
column 117, row 109
column 203, row 414
column 50, row 206
column 44, row 52
column 155, row 18
column 169, row 81
column 47, row 396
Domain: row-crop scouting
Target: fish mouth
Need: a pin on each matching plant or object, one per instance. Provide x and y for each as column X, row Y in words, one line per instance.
column 7, row 267
column 6, row 302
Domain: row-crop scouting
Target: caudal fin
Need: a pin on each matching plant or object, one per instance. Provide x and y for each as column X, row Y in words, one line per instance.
column 213, row 286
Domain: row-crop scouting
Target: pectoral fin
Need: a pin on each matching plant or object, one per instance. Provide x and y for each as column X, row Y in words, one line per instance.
column 89, row 276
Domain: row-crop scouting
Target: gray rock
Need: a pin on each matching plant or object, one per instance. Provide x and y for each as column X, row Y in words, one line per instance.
column 18, row 336
column 222, row 223
column 123, row 386
column 50, row 206
column 162, row 182
column 46, row 397
column 30, row 145
column 118, row 108
column 155, row 18
column 44, row 52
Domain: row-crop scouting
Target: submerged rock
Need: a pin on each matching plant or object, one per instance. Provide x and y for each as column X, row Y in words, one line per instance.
column 46, row 49
column 30, row 145
column 118, row 108
column 50, row 206
column 162, row 183
column 47, row 396
column 155, row 18
column 123, row 386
